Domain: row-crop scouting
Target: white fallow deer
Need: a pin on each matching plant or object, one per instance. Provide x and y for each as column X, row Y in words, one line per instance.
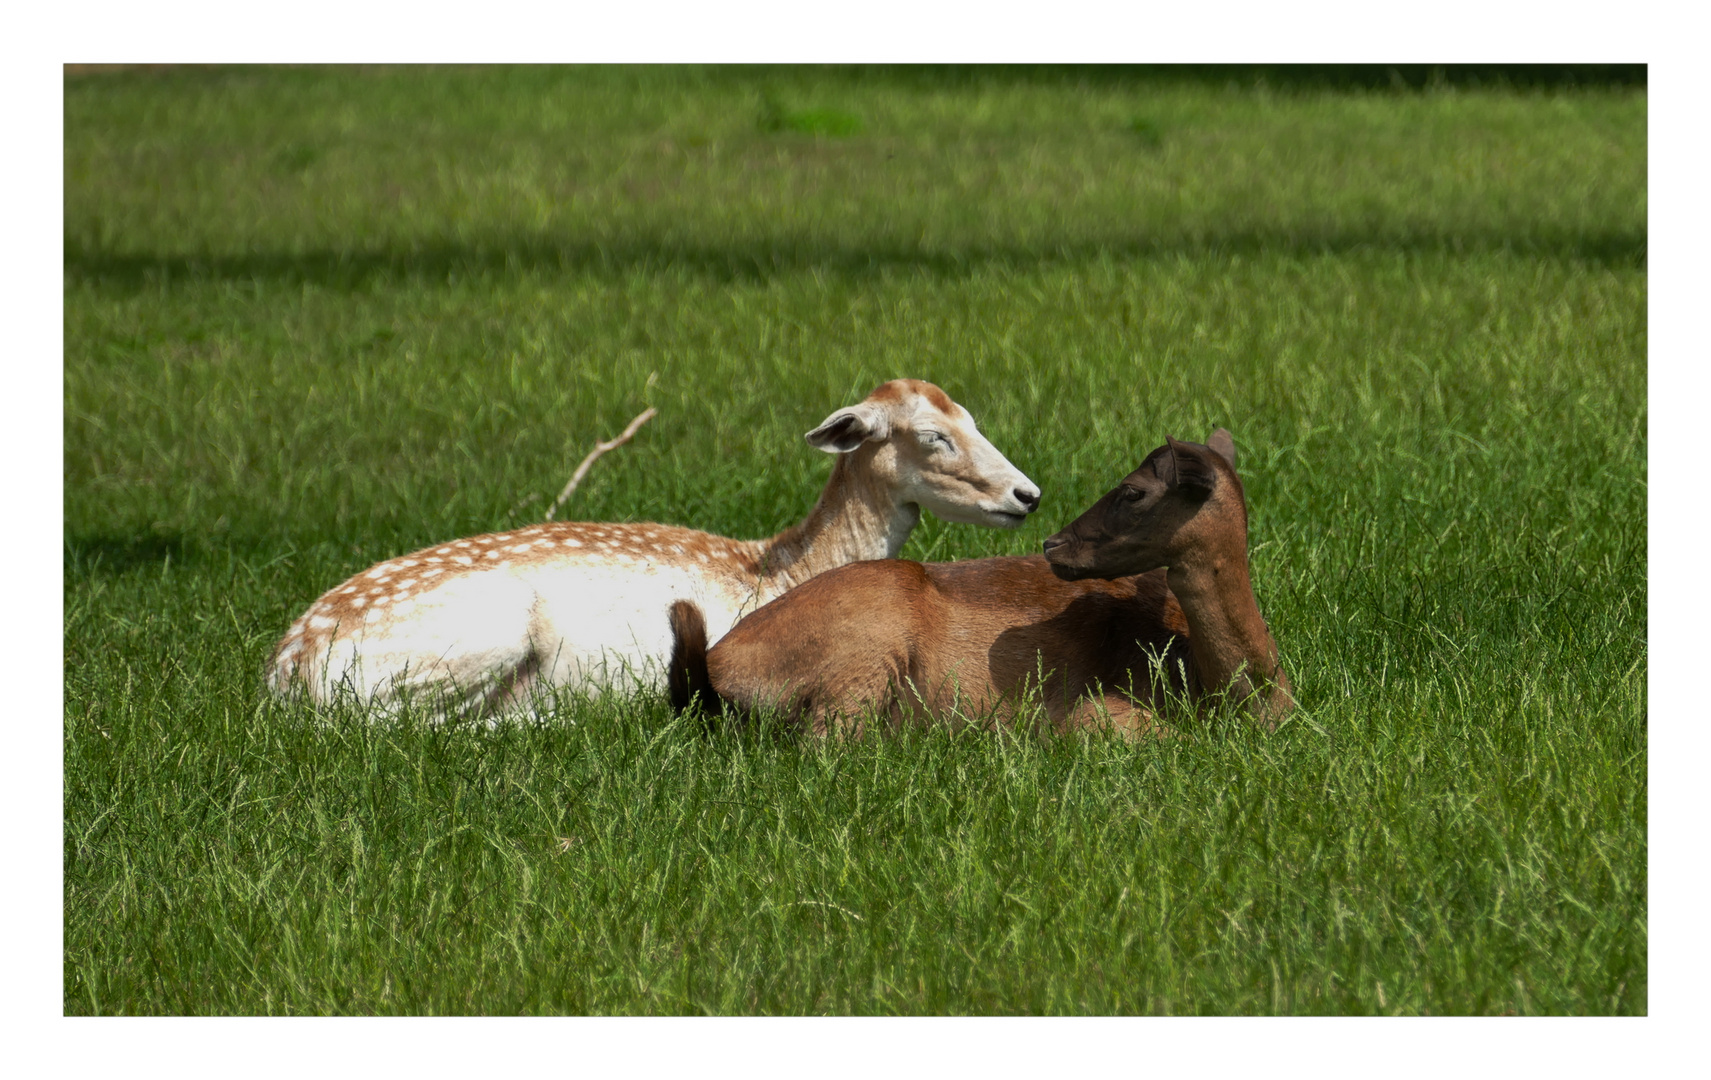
column 1153, row 577
column 483, row 624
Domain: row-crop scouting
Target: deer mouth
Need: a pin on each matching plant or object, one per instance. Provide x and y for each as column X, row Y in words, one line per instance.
column 993, row 514
column 1010, row 513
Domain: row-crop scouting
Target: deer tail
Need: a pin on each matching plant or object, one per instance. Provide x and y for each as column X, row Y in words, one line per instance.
column 687, row 680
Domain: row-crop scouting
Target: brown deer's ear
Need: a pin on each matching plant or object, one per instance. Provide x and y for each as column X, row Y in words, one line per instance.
column 1164, row 465
column 1190, row 467
column 1221, row 442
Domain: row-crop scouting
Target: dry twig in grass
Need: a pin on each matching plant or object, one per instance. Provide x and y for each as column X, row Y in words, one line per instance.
column 599, row 448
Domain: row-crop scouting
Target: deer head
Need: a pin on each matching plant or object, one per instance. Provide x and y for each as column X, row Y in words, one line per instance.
column 926, row 449
column 1184, row 500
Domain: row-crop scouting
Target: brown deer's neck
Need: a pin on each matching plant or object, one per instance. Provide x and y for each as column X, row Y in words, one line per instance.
column 855, row 519
column 1233, row 647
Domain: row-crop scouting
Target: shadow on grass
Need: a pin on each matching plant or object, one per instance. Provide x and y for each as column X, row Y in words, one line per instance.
column 1284, row 77
column 88, row 556
column 91, row 555
column 762, row 260
column 1398, row 78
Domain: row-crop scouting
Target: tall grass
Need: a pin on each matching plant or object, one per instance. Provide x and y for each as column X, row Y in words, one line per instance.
column 316, row 317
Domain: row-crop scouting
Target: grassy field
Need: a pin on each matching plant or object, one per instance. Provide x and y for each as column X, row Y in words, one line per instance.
column 314, row 318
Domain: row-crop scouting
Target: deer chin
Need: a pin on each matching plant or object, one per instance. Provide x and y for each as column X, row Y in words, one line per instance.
column 1058, row 551
column 1068, row 573
column 1106, row 569
column 1004, row 519
column 993, row 517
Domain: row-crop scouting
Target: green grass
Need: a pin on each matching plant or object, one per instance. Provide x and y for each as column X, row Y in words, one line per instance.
column 317, row 317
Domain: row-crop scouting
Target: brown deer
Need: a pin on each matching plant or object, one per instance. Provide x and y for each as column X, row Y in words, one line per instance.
column 1145, row 593
column 484, row 622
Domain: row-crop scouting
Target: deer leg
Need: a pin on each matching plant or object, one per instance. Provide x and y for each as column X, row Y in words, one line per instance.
column 515, row 687
column 1117, row 713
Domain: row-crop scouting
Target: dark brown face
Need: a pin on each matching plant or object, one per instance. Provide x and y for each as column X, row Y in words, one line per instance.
column 1136, row 526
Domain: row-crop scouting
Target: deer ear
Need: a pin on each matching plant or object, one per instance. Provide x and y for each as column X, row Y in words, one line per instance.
column 848, row 428
column 1225, row 446
column 1190, row 468
column 1164, row 461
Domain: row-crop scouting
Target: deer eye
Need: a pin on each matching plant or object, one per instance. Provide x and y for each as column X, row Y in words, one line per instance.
column 1132, row 494
column 934, row 439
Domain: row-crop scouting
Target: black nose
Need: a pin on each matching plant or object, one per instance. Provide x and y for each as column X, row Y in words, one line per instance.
column 1053, row 543
column 1030, row 499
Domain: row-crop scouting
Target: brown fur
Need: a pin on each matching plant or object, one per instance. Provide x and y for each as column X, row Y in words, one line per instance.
column 1083, row 630
column 1185, row 509
column 909, row 637
column 894, row 391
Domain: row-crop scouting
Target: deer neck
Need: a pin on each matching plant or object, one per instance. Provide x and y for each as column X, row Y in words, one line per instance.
column 1233, row 648
column 856, row 518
